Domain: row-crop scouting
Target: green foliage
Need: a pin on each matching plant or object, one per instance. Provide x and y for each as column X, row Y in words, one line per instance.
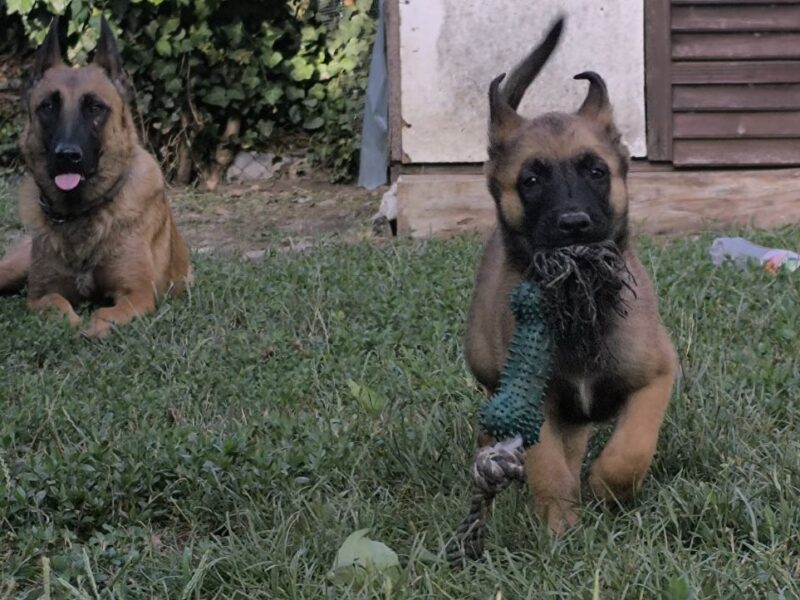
column 198, row 66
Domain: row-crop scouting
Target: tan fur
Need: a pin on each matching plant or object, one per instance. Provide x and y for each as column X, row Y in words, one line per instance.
column 645, row 357
column 128, row 250
column 15, row 265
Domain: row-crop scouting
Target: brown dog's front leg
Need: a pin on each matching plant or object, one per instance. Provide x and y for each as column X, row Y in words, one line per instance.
column 15, row 265
column 622, row 465
column 126, row 307
column 57, row 302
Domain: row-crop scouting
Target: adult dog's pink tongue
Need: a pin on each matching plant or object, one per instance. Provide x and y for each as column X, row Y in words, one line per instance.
column 68, row 181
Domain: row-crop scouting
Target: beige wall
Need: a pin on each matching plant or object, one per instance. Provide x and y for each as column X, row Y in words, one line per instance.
column 451, row 50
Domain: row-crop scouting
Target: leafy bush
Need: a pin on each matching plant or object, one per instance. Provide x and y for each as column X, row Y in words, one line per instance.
column 216, row 76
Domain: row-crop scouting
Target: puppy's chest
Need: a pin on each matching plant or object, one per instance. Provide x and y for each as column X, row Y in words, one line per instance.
column 589, row 396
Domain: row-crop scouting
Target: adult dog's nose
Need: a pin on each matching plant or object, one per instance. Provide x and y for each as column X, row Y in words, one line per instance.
column 69, row 153
column 574, row 222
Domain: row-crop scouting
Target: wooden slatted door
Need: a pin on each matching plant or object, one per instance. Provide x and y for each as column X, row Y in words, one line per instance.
column 723, row 81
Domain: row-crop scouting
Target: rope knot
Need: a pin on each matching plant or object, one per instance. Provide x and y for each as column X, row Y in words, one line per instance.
column 493, row 470
column 496, row 466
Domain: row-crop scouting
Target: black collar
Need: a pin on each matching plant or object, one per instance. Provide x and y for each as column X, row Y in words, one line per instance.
column 58, row 218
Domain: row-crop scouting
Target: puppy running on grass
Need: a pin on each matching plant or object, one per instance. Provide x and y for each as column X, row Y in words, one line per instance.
column 559, row 185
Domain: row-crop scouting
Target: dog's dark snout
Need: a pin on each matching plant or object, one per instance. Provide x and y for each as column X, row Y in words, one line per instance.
column 69, row 153
column 574, row 222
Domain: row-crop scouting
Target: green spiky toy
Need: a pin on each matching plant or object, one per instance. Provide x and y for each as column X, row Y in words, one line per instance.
column 515, row 409
column 513, row 416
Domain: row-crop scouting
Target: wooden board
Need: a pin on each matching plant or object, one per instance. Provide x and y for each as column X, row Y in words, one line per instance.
column 392, row 8
column 745, row 152
column 735, row 18
column 737, row 125
column 661, row 202
column 736, row 97
column 658, row 88
column 755, row 71
column 731, row 46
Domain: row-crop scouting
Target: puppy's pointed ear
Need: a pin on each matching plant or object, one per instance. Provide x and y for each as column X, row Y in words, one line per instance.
column 108, row 58
column 596, row 106
column 48, row 56
column 503, row 120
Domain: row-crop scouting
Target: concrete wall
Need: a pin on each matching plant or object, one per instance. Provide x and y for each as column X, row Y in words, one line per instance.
column 451, row 49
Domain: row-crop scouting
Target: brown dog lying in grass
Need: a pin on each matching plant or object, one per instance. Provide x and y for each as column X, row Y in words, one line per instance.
column 101, row 227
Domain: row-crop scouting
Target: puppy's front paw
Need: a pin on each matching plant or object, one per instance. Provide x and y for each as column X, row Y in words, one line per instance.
column 559, row 515
column 612, row 480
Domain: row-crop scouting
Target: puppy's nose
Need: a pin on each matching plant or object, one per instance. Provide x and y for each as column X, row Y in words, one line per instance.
column 70, row 153
column 574, row 222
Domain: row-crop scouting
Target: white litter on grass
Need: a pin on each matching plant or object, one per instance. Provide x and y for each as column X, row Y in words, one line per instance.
column 388, row 207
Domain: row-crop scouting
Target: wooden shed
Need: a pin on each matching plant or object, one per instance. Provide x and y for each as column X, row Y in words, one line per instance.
column 723, row 82
column 711, row 86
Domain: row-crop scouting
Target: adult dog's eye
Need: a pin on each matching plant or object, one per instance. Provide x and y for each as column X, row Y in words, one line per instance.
column 49, row 106
column 95, row 108
column 530, row 181
column 46, row 108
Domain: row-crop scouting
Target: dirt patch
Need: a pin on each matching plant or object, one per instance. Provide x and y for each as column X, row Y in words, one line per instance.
column 290, row 214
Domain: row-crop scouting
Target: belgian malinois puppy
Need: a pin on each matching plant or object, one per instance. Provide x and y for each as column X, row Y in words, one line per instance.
column 93, row 198
column 559, row 184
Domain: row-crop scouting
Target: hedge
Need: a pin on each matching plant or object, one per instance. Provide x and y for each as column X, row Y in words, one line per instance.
column 213, row 77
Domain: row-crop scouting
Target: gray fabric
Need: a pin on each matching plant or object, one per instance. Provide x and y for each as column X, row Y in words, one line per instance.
column 373, row 167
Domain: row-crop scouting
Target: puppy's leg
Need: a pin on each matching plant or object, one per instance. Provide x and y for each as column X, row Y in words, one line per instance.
column 15, row 265
column 134, row 303
column 575, row 440
column 551, row 478
column 57, row 302
column 622, row 465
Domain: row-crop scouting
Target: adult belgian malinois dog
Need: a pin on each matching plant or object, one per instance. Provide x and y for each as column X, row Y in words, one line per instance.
column 559, row 185
column 93, row 198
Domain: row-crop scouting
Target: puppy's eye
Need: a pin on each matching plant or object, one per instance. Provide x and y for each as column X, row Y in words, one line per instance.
column 530, row 181
column 597, row 172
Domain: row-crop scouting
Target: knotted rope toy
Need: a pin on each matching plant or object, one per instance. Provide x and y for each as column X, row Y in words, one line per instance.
column 569, row 298
column 513, row 415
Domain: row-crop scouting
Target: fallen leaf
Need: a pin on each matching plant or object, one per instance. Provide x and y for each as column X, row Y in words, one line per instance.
column 359, row 559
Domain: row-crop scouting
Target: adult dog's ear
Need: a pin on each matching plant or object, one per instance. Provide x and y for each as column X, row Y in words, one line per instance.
column 47, row 56
column 108, row 58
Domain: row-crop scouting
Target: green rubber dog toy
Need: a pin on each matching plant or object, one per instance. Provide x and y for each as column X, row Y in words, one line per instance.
column 513, row 416
column 516, row 407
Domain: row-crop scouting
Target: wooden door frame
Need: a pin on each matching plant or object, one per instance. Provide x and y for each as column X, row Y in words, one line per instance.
column 392, row 14
column 658, row 79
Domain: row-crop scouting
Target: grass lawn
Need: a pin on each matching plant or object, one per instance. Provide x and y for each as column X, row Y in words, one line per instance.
column 226, row 446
